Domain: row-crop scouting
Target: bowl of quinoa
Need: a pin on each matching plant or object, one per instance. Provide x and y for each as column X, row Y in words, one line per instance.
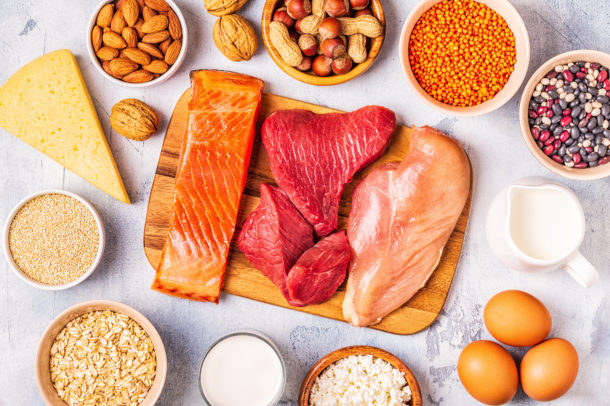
column 53, row 239
column 464, row 57
column 360, row 375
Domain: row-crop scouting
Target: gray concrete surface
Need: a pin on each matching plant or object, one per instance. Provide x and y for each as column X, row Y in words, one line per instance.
column 30, row 28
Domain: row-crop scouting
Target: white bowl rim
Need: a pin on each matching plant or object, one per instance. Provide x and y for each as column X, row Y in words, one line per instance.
column 27, row 279
column 499, row 100
column 170, row 72
column 103, row 304
column 585, row 174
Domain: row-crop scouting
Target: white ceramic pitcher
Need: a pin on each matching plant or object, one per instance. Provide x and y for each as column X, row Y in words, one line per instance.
column 500, row 236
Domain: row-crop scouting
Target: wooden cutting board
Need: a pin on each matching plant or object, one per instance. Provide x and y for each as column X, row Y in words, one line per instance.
column 242, row 278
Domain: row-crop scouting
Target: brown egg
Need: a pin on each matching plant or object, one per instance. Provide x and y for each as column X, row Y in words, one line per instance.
column 549, row 369
column 488, row 372
column 517, row 318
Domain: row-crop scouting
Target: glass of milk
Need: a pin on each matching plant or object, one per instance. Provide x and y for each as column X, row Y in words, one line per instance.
column 242, row 368
column 535, row 225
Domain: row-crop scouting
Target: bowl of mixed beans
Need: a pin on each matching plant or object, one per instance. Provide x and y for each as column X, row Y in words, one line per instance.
column 467, row 57
column 565, row 114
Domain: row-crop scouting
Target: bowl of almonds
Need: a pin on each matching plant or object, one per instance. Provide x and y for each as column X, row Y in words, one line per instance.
column 323, row 42
column 101, row 353
column 137, row 43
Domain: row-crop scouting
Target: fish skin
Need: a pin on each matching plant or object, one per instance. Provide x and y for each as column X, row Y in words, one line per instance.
column 402, row 216
column 209, row 183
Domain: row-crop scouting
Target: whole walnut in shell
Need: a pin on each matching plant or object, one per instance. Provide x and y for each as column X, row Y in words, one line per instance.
column 134, row 119
column 235, row 37
column 223, row 7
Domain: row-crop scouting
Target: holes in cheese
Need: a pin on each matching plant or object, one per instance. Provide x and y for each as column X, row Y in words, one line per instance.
column 47, row 104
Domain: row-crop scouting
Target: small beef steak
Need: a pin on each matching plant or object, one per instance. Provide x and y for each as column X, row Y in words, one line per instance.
column 312, row 156
column 320, row 271
column 275, row 235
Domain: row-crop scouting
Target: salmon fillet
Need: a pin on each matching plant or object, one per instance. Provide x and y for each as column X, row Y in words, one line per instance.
column 402, row 216
column 211, row 175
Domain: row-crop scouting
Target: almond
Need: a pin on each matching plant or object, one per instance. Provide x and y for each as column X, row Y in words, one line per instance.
column 104, row 17
column 107, row 53
column 141, row 3
column 155, row 24
column 164, row 45
column 158, row 5
column 171, row 56
column 156, row 66
column 137, row 55
column 118, row 22
column 130, row 35
column 139, row 76
column 106, row 67
column 156, row 37
column 131, row 12
column 114, row 40
column 138, row 27
column 122, row 66
column 96, row 38
column 148, row 13
column 175, row 29
column 150, row 50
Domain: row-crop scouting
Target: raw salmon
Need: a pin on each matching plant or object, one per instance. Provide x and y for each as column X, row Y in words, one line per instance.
column 209, row 183
column 402, row 216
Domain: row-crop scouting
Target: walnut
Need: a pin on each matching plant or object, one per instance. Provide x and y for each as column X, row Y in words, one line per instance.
column 134, row 119
column 223, row 7
column 235, row 37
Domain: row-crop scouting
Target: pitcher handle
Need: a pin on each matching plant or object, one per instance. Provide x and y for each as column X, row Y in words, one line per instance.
column 582, row 270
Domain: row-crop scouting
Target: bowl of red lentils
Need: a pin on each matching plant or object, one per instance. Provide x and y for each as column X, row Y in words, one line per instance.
column 565, row 114
column 53, row 239
column 465, row 57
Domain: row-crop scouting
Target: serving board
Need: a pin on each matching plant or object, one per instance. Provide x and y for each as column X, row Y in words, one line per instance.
column 241, row 277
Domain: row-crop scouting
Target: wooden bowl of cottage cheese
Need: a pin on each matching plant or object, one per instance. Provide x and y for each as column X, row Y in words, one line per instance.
column 379, row 374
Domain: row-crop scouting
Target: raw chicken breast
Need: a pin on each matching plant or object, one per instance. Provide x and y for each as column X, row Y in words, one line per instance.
column 402, row 216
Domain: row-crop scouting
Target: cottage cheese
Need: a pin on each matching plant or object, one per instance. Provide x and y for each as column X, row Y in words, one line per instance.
column 360, row 380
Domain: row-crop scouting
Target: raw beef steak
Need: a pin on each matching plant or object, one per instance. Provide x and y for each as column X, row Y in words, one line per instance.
column 320, row 271
column 275, row 235
column 312, row 156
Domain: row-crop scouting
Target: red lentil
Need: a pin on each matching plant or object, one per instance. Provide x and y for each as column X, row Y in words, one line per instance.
column 462, row 52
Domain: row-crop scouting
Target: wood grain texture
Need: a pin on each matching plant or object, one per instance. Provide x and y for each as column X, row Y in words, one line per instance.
column 374, row 47
column 242, row 278
column 310, row 378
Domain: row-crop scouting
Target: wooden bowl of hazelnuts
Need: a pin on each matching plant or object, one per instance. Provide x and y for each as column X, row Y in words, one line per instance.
column 323, row 42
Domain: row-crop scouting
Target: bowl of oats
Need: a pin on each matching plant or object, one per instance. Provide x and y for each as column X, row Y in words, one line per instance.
column 101, row 353
column 360, row 375
column 53, row 239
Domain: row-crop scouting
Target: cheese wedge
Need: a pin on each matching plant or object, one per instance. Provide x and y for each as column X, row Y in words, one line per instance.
column 47, row 104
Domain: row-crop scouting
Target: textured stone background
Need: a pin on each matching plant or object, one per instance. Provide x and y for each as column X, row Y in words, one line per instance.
column 30, row 28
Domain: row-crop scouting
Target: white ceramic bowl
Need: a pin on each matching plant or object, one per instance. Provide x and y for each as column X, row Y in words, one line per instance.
column 27, row 279
column 586, row 174
column 522, row 46
column 170, row 72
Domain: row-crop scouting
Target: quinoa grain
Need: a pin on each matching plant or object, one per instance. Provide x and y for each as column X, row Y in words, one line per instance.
column 54, row 239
